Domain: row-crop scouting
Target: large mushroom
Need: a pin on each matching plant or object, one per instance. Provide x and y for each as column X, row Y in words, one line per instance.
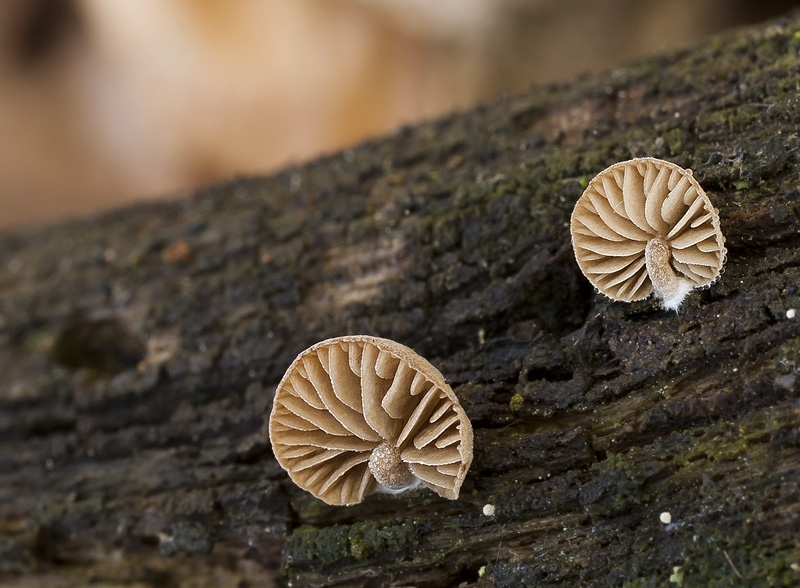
column 646, row 225
column 357, row 414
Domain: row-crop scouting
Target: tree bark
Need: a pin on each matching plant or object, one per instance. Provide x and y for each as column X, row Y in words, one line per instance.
column 140, row 350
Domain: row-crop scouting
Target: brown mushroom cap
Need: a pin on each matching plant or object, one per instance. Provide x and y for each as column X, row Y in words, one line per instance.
column 357, row 413
column 645, row 225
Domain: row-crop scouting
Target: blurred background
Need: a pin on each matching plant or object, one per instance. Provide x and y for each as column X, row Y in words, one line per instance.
column 107, row 101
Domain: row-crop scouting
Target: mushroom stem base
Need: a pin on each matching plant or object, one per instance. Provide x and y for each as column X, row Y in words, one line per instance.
column 388, row 469
column 667, row 285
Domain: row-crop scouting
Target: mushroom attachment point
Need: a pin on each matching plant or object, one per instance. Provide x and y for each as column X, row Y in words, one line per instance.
column 646, row 226
column 359, row 414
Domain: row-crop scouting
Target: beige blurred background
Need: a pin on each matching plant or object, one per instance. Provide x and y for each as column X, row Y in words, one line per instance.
column 107, row 101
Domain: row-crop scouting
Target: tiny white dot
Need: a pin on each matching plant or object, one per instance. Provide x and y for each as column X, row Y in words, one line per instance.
column 791, row 313
column 488, row 510
column 665, row 518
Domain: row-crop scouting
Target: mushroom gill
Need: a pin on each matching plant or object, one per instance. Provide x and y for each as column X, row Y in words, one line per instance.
column 358, row 414
column 646, row 225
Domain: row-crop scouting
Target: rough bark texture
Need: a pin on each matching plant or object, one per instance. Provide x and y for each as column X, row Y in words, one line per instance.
column 140, row 351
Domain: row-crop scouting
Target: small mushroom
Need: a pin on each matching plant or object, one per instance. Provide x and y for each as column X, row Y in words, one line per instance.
column 643, row 226
column 358, row 414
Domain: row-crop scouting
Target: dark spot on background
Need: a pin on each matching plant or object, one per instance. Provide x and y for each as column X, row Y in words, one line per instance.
column 43, row 26
column 99, row 342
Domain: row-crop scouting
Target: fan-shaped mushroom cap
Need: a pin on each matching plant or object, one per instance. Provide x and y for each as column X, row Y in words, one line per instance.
column 356, row 414
column 643, row 226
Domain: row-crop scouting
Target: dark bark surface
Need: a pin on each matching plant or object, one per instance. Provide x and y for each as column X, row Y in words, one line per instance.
column 140, row 350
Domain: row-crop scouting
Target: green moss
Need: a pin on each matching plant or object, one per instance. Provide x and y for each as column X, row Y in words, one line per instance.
column 317, row 549
column 740, row 560
column 675, row 140
column 370, row 538
column 312, row 547
column 788, row 356
column 561, row 163
column 516, row 402
column 596, row 160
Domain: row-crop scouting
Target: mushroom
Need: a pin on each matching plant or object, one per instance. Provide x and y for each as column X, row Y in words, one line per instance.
column 643, row 226
column 358, row 414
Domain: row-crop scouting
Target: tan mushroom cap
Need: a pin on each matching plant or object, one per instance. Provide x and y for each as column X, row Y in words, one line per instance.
column 646, row 225
column 356, row 414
